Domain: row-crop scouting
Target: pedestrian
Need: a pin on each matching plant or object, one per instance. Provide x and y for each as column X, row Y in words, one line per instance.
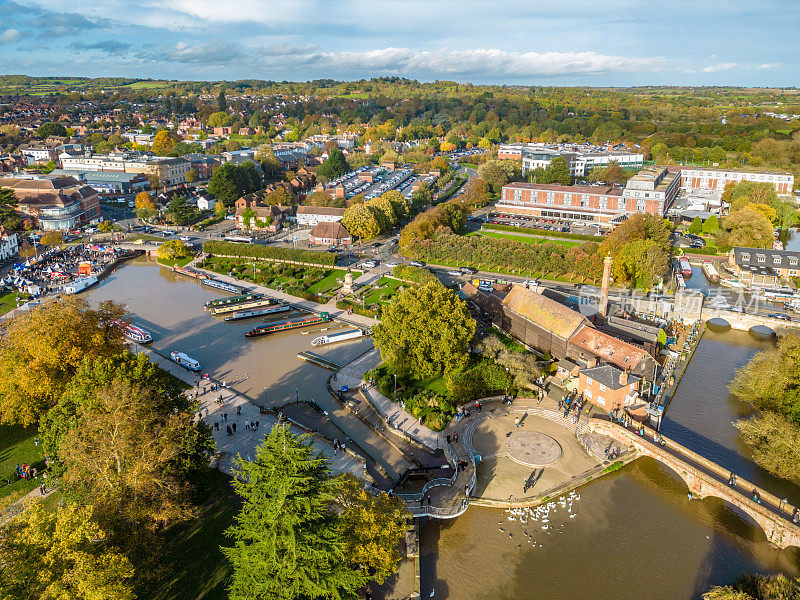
column 455, row 437
column 466, row 489
column 234, row 428
column 516, row 422
column 216, row 425
column 480, row 408
column 246, row 424
column 229, row 430
column 257, row 424
column 448, row 438
column 238, row 410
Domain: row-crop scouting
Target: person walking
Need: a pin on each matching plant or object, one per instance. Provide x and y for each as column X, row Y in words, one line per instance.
column 234, row 428
column 516, row 423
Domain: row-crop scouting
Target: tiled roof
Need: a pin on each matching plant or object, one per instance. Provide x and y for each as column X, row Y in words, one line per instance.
column 320, row 210
column 543, row 311
column 608, row 348
column 608, row 375
column 328, row 230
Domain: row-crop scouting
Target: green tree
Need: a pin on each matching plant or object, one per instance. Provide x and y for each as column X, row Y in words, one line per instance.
column 422, row 196
column 191, row 175
column 556, row 172
column 219, row 119
column 229, row 183
column 222, row 103
column 711, row 225
column 334, row 166
column 173, row 250
column 8, row 201
column 179, row 210
column 751, row 586
column 287, row 541
column 51, row 129
column 42, row 348
column 425, row 331
column 361, row 221
column 61, row 554
column 696, row 227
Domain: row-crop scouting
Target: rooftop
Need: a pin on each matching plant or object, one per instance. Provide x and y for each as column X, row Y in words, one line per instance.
column 543, row 311
column 608, row 348
column 608, row 375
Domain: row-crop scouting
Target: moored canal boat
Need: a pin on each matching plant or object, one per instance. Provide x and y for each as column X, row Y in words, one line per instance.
column 289, row 324
column 257, row 312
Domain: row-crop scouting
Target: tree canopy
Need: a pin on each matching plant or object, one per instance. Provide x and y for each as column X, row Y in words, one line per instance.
column 425, row 331
column 335, row 166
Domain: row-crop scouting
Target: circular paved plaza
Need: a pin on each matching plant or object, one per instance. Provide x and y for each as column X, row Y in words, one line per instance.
column 533, row 448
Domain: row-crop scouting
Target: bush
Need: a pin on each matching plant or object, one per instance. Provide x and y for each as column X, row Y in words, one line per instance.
column 545, row 232
column 484, row 379
column 269, row 253
column 416, row 275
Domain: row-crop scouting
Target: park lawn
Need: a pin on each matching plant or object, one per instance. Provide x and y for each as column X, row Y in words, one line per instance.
column 526, row 239
column 17, row 448
column 191, row 565
column 8, row 301
column 437, row 385
column 383, row 290
column 146, row 84
column 181, row 262
column 327, row 283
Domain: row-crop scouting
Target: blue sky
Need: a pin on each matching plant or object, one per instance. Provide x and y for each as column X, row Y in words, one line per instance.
column 536, row 42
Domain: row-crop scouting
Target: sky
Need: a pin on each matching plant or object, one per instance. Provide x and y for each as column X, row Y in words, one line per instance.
column 532, row 42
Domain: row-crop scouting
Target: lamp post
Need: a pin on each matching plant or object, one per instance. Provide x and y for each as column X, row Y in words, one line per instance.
column 296, row 396
column 395, row 387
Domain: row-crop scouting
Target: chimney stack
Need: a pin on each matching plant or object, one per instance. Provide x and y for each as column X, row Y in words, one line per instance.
column 623, row 377
column 607, row 262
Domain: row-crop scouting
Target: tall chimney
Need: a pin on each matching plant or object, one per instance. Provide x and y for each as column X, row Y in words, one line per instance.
column 607, row 262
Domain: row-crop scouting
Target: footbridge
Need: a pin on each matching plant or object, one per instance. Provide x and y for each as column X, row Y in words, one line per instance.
column 706, row 478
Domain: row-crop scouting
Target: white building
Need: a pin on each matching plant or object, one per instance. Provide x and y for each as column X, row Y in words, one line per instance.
column 170, row 170
column 308, row 216
column 9, row 246
column 581, row 159
column 696, row 178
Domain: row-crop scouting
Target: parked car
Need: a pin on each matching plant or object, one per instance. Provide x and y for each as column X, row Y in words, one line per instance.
column 417, row 263
column 454, row 273
column 185, row 238
column 369, row 264
column 468, row 270
column 780, row 316
column 390, row 264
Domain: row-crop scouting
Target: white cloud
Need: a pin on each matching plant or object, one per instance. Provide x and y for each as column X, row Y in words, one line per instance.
column 774, row 65
column 10, row 35
column 719, row 67
column 487, row 61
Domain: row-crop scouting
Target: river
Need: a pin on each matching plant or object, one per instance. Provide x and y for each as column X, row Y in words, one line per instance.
column 170, row 307
column 636, row 533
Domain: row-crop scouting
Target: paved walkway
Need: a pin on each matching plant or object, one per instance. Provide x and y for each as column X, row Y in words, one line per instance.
column 245, row 440
column 352, row 375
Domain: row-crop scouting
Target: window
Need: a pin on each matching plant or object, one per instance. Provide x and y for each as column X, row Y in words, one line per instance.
column 761, row 258
column 602, row 388
column 601, row 401
column 588, row 394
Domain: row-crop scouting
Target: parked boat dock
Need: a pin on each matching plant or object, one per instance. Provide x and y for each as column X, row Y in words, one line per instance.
column 318, row 360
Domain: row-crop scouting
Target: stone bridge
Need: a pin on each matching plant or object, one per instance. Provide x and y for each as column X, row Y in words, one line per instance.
column 706, row 478
column 746, row 322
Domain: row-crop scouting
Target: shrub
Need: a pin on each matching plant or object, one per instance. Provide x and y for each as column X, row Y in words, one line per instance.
column 268, row 253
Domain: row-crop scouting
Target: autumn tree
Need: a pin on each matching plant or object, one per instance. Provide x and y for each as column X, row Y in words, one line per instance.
column 42, row 348
column 752, row 586
column 371, row 526
column 162, row 143
column 173, row 250
column 360, row 220
column 425, row 331
column 749, row 228
column 54, row 238
column 59, row 554
column 697, row 226
column 124, row 439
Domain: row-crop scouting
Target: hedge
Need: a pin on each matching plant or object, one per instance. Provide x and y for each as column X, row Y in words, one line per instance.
column 545, row 232
column 413, row 274
column 269, row 253
column 706, row 251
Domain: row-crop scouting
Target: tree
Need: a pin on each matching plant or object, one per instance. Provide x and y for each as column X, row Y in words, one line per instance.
column 51, row 129
column 493, row 174
column 334, row 167
column 422, row 196
column 145, row 208
column 385, row 212
column 751, row 586
column 280, row 196
column 425, row 331
column 219, row 119
column 287, row 541
column 162, row 143
column 227, row 184
column 556, row 172
column 180, row 210
column 711, row 225
column 42, row 348
column 643, row 263
column 53, row 238
column 371, row 526
column 191, row 175
column 222, row 103
column 8, row 201
column 774, row 442
column 173, row 250
column 696, row 227
column 360, row 220
column 58, row 554
column 749, row 228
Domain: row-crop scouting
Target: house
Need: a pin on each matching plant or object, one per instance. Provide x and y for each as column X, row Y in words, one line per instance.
column 308, row 216
column 202, row 164
column 763, row 267
column 588, row 346
column 109, row 184
column 56, row 202
column 9, row 245
column 539, row 322
column 206, row 201
column 608, row 386
column 261, row 218
column 330, row 234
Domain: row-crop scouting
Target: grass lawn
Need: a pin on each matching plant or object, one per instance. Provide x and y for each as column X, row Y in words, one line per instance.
column 525, row 239
column 383, row 290
column 16, row 448
column 8, row 301
column 504, row 271
column 437, row 385
column 181, row 262
column 191, row 565
column 327, row 283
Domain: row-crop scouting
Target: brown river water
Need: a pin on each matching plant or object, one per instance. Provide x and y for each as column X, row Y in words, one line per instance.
column 635, row 534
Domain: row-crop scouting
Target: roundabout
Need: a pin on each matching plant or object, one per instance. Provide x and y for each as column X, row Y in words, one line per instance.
column 533, row 448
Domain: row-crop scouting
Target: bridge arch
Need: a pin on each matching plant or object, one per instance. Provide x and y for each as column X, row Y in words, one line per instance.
column 765, row 330
column 719, row 323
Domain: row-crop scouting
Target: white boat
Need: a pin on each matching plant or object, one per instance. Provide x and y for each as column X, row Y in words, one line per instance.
column 185, row 360
column 732, row 282
column 137, row 334
column 341, row 336
column 710, row 271
column 80, row 284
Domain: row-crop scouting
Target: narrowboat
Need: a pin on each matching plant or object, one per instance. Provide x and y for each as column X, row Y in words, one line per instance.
column 710, row 271
column 80, row 284
column 185, row 360
column 335, row 338
column 231, row 300
column 221, row 285
column 289, row 324
column 685, row 266
column 257, row 312
column 221, row 310
column 189, row 272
